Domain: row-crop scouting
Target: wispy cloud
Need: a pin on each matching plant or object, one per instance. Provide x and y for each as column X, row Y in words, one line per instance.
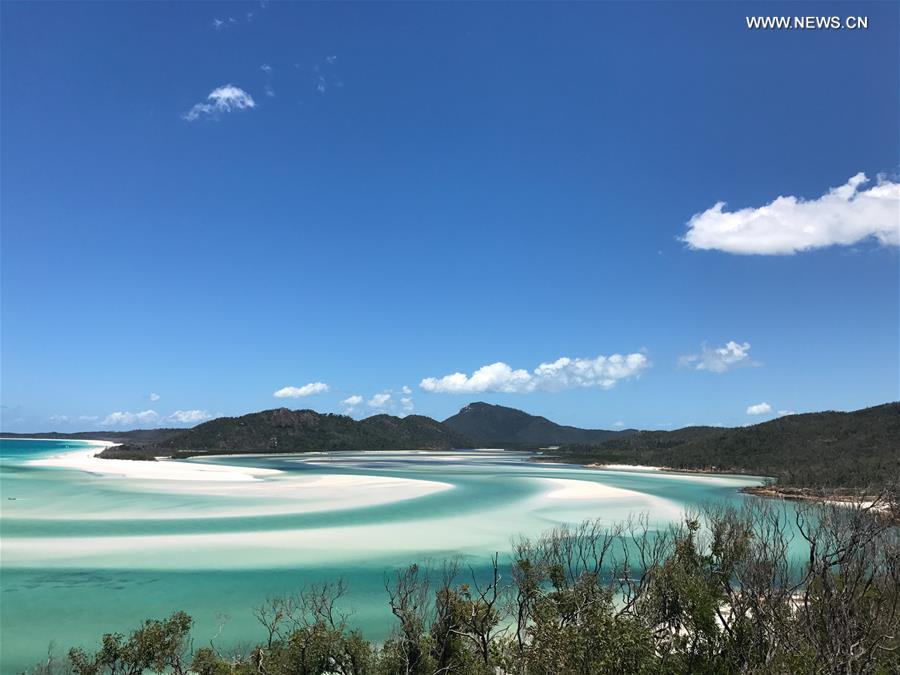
column 379, row 400
column 719, row 359
column 759, row 409
column 190, row 416
column 324, row 74
column 230, row 21
column 564, row 373
column 351, row 403
column 153, row 396
column 124, row 418
column 224, row 99
column 783, row 413
column 305, row 390
column 843, row 216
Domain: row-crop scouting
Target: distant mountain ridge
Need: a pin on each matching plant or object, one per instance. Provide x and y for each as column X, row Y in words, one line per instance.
column 498, row 426
column 846, row 449
column 824, row 449
column 284, row 430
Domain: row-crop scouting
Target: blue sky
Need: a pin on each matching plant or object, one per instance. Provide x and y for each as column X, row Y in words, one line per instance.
column 206, row 203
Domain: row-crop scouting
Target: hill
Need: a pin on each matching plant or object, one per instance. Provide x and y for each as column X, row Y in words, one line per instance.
column 283, row 430
column 497, row 426
column 826, row 449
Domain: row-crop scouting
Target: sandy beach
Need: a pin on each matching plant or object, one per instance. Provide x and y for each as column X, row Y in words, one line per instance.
column 566, row 488
column 626, row 467
column 212, row 490
column 163, row 469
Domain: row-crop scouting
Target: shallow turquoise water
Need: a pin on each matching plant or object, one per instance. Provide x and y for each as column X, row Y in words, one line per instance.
column 86, row 553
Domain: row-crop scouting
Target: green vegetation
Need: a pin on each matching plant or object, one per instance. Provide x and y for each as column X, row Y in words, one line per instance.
column 496, row 426
column 717, row 594
column 283, row 430
column 817, row 450
column 827, row 450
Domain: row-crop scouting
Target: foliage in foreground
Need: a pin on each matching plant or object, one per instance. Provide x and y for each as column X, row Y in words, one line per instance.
column 719, row 593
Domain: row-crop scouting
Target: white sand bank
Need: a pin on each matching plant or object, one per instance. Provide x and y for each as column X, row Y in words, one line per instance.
column 567, row 488
column 627, row 467
column 85, row 460
column 184, row 489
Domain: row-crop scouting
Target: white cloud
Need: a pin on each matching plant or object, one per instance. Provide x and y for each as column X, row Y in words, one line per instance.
column 351, row 402
column 782, row 413
column 718, row 360
column 59, row 419
column 189, row 416
column 405, row 390
column 88, row 418
column 224, row 99
column 844, row 215
column 564, row 373
column 266, row 68
column 218, row 24
column 305, row 390
column 407, row 404
column 118, row 419
column 379, row 400
column 759, row 409
column 153, row 397
column 618, row 424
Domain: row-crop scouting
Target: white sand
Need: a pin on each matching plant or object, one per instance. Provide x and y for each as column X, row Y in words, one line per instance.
column 628, row 467
column 582, row 489
column 220, row 490
column 421, row 533
column 85, row 460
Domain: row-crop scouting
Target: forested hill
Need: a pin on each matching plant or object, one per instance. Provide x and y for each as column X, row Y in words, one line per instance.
column 826, row 449
column 283, row 430
column 500, row 427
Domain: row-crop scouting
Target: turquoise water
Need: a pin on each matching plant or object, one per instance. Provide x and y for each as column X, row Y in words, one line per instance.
column 84, row 552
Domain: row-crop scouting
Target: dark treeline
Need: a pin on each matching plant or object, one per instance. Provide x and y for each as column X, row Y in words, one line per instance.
column 722, row 592
column 827, row 449
column 831, row 450
column 283, row 430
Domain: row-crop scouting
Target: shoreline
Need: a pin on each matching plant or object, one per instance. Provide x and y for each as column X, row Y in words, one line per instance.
column 839, row 496
column 60, row 440
column 90, row 461
column 881, row 507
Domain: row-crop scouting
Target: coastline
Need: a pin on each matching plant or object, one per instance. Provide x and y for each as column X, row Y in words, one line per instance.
column 837, row 496
column 89, row 461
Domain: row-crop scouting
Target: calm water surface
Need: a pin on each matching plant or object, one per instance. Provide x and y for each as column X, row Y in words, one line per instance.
column 85, row 553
